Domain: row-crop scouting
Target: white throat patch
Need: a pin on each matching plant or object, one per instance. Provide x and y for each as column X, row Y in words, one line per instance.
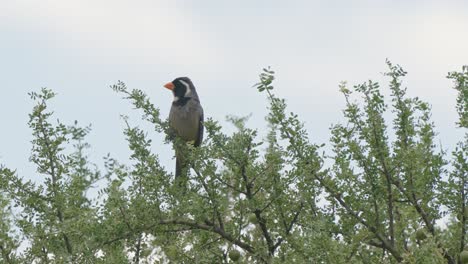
column 188, row 91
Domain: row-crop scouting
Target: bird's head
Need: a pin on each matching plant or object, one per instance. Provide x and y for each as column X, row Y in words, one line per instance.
column 181, row 87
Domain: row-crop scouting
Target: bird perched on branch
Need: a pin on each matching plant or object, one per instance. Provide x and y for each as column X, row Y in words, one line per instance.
column 185, row 119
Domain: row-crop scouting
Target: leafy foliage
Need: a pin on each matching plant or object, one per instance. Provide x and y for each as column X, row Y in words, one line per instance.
column 248, row 199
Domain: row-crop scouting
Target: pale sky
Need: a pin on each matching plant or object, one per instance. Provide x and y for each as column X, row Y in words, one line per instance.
column 80, row 48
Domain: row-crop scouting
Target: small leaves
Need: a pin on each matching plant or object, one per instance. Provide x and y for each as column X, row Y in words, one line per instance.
column 343, row 89
column 266, row 79
column 45, row 95
column 461, row 85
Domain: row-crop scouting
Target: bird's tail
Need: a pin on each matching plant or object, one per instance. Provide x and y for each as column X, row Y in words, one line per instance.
column 181, row 171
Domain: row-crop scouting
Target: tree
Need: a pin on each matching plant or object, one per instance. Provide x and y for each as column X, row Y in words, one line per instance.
column 456, row 188
column 8, row 242
column 55, row 216
column 249, row 199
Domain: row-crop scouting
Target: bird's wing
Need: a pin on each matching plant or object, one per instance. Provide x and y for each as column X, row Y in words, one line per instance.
column 171, row 133
column 201, row 129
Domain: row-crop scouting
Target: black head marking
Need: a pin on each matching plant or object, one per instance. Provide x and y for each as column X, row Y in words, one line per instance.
column 183, row 87
column 183, row 90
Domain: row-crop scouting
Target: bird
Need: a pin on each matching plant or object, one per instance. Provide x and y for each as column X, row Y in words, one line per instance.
column 185, row 121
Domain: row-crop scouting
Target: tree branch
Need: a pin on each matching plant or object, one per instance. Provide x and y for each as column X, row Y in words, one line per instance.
column 211, row 228
column 50, row 156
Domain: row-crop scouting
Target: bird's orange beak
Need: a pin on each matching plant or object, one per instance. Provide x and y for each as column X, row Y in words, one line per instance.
column 169, row 86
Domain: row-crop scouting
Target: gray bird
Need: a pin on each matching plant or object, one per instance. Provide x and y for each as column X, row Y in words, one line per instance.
column 185, row 119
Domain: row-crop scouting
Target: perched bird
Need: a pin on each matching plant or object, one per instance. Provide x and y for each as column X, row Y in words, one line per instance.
column 185, row 119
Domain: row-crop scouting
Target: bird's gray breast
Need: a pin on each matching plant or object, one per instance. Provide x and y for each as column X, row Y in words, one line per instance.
column 185, row 120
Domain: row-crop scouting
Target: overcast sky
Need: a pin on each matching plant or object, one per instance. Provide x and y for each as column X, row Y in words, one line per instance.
column 80, row 48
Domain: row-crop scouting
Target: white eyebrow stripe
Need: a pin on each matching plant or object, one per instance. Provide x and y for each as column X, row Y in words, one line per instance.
column 188, row 90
